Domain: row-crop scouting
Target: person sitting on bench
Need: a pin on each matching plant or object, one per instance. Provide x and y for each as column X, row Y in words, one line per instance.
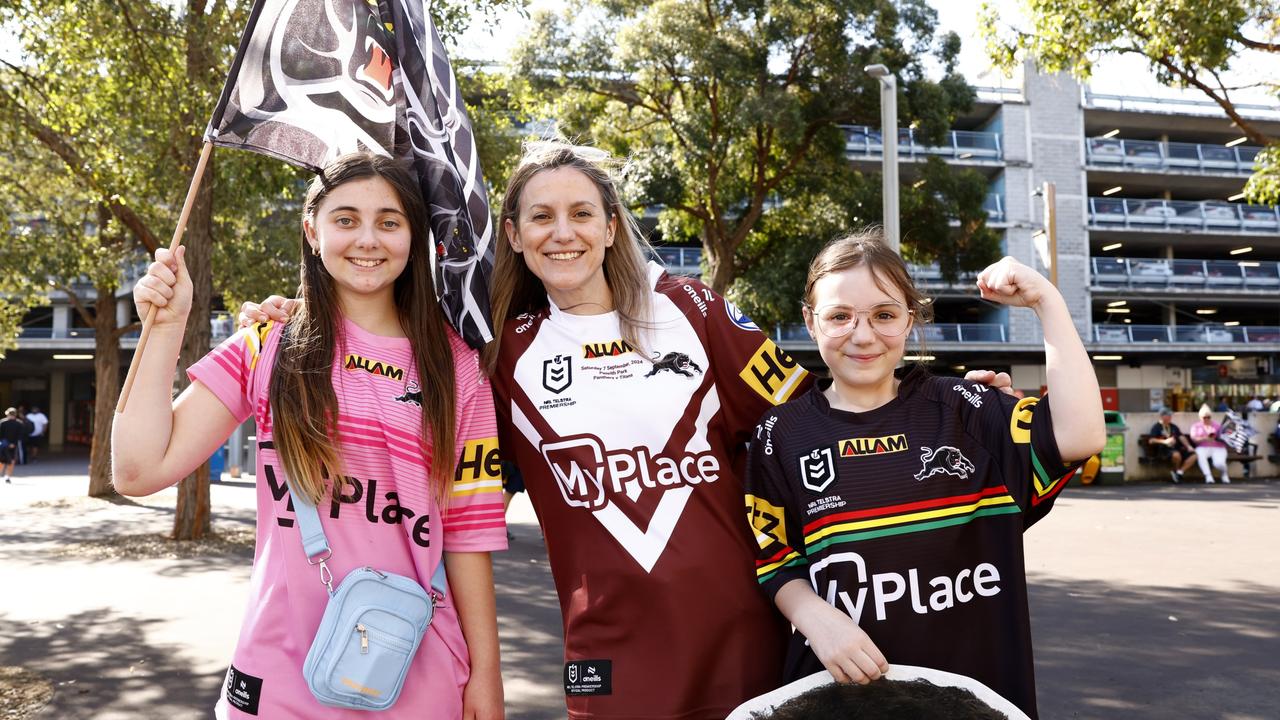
column 1168, row 442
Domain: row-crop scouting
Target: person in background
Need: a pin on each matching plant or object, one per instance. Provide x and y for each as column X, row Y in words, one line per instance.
column 1169, row 443
column 11, row 431
column 1204, row 433
column 39, row 425
column 1223, row 405
column 1254, row 405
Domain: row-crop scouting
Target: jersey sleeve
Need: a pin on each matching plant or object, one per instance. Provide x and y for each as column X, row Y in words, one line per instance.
column 1034, row 471
column 473, row 519
column 770, row 513
column 230, row 370
column 752, row 373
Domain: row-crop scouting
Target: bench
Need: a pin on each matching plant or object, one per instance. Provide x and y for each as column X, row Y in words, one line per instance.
column 1147, row 454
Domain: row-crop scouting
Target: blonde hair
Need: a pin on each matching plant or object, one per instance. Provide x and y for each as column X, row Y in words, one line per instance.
column 515, row 290
column 867, row 247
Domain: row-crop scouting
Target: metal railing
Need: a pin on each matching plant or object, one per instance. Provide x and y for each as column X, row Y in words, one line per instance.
column 932, row 275
column 1158, row 272
column 1182, row 214
column 994, row 205
column 1170, row 155
column 679, row 260
column 221, row 326
column 1201, row 334
column 1169, row 104
column 933, row 333
column 867, row 141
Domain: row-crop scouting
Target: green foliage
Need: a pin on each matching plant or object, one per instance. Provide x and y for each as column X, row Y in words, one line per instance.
column 103, row 106
column 1188, row 44
column 726, row 108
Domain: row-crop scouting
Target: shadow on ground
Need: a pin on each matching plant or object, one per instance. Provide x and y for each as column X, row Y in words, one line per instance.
column 1117, row 652
column 529, row 627
column 102, row 668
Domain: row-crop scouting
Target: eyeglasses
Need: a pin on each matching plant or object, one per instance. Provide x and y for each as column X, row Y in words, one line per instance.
column 836, row 321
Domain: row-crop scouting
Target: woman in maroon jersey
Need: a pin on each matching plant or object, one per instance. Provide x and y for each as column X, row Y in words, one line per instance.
column 627, row 396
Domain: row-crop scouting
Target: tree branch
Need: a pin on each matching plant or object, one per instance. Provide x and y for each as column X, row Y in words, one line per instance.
column 1257, row 44
column 59, row 145
column 1189, row 77
column 85, row 314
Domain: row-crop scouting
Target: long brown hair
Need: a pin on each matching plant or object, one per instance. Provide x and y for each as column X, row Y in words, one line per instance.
column 516, row 290
column 867, row 247
column 304, row 407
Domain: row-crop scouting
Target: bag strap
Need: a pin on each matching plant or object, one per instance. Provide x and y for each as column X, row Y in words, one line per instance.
column 316, row 545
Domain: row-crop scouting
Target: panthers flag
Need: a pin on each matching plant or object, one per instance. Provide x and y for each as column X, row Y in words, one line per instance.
column 314, row 79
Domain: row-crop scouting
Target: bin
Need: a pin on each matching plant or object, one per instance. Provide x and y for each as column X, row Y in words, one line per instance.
column 217, row 464
column 1112, row 455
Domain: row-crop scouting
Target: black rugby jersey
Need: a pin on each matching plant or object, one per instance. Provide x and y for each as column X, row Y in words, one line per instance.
column 909, row 518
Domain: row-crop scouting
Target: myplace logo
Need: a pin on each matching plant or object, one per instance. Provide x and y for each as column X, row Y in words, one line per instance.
column 578, row 466
column 897, row 591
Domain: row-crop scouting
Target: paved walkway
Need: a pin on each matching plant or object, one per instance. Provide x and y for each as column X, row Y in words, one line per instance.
column 1148, row 601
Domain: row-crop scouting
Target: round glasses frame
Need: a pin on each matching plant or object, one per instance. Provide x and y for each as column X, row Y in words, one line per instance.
column 857, row 318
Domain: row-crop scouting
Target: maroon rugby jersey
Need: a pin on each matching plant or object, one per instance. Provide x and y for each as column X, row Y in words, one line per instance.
column 634, row 468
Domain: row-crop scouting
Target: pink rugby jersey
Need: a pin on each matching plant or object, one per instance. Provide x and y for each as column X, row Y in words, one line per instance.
column 385, row 519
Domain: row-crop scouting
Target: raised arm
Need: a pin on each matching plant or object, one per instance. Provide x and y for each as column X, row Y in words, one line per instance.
column 1078, row 425
column 157, row 440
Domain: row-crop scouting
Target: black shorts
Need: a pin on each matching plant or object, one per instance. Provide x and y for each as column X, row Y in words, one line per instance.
column 8, row 454
column 36, row 441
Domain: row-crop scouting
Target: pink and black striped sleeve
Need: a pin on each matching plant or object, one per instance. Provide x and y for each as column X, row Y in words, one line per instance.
column 228, row 369
column 474, row 519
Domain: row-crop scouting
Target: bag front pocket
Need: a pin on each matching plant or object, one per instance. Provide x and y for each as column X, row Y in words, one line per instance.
column 374, row 658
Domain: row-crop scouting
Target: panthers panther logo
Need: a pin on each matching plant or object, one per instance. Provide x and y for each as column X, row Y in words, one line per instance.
column 945, row 460
column 412, row 394
column 676, row 362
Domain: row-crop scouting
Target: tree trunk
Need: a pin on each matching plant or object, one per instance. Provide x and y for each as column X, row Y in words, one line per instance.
column 192, row 518
column 191, row 521
column 106, row 371
column 719, row 262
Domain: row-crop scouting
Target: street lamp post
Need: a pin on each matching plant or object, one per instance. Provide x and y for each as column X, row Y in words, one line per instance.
column 889, row 141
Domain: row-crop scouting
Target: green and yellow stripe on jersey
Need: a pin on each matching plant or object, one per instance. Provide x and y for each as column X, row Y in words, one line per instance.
column 902, row 519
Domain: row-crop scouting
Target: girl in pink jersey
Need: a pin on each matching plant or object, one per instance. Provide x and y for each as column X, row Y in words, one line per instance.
column 395, row 451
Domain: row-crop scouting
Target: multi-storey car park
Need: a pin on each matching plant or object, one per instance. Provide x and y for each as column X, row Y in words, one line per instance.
column 1173, row 280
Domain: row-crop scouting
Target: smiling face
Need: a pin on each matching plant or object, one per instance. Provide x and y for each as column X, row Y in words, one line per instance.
column 562, row 228
column 861, row 362
column 363, row 238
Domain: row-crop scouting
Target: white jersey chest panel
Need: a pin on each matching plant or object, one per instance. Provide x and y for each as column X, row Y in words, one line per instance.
column 612, row 413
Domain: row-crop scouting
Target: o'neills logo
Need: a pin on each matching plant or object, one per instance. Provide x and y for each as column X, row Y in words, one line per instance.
column 853, row 447
column 606, row 349
column 585, row 470
column 891, row 589
column 374, row 367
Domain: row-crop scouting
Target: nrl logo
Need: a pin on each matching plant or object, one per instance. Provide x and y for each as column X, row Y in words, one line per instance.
column 817, row 469
column 573, row 672
column 557, row 373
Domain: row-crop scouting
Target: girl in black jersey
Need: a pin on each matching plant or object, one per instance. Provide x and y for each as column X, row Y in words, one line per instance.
column 889, row 506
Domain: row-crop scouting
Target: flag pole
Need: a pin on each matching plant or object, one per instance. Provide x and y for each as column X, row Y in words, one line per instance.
column 194, row 188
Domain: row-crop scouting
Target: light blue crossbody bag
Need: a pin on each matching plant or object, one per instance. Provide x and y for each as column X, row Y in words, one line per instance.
column 371, row 628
